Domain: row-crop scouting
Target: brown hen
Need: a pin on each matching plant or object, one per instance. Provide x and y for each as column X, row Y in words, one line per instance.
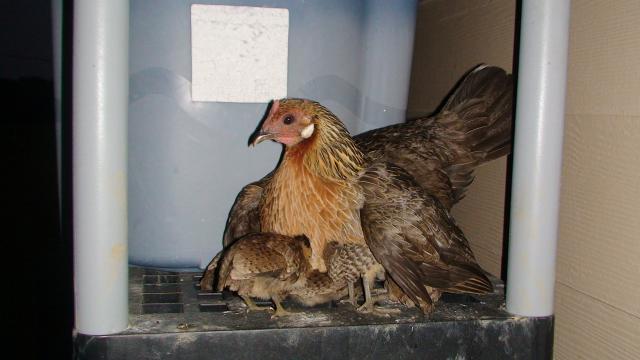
column 396, row 194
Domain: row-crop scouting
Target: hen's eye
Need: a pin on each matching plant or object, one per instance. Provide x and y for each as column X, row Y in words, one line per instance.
column 288, row 120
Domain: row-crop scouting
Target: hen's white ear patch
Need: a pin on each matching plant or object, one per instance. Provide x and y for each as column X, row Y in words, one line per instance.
column 307, row 132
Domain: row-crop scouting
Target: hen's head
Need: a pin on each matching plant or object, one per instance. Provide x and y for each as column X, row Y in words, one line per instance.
column 291, row 121
column 314, row 133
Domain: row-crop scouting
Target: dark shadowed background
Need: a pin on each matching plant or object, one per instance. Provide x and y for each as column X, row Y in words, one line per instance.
column 38, row 286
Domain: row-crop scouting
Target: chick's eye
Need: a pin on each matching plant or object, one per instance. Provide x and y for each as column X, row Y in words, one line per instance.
column 288, row 120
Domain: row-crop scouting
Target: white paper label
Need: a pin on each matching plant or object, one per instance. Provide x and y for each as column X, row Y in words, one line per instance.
column 239, row 53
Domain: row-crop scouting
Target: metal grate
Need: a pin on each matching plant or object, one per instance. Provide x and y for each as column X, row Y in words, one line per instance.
column 164, row 292
column 161, row 293
column 210, row 301
column 171, row 316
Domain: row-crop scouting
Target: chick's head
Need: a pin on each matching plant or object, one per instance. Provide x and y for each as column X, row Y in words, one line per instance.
column 305, row 245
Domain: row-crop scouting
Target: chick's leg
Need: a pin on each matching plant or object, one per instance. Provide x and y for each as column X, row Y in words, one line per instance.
column 369, row 303
column 280, row 310
column 251, row 306
column 352, row 295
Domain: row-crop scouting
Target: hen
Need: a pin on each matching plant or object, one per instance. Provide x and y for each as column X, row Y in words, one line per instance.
column 390, row 188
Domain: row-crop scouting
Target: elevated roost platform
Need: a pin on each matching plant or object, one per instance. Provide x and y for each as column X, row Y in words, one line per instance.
column 170, row 318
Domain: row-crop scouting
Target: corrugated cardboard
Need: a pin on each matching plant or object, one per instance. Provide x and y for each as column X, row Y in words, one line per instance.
column 453, row 36
column 598, row 268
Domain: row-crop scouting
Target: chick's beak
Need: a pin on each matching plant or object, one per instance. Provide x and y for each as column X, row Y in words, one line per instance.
column 260, row 136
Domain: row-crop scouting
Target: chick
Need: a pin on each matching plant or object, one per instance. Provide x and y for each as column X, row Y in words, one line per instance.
column 318, row 288
column 352, row 262
column 265, row 266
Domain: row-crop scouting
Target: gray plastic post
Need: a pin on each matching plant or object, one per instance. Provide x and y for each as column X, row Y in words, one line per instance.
column 537, row 156
column 100, row 103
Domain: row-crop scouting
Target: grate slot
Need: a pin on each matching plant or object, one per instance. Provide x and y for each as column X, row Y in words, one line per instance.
column 213, row 307
column 160, row 288
column 162, row 308
column 211, row 296
column 452, row 298
column 261, row 302
column 161, row 298
column 160, row 279
column 148, row 271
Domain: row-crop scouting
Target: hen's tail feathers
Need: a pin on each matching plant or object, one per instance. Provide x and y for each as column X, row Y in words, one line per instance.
column 478, row 284
column 484, row 103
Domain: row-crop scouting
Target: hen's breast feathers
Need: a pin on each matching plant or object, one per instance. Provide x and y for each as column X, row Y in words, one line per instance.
column 301, row 199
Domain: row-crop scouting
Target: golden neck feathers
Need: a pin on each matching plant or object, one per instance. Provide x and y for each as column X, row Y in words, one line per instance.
column 315, row 189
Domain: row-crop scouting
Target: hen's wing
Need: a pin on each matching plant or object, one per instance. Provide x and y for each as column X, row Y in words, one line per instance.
column 441, row 152
column 414, row 238
column 244, row 217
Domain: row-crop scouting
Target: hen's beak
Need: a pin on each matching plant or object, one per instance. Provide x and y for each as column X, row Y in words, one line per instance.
column 260, row 136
